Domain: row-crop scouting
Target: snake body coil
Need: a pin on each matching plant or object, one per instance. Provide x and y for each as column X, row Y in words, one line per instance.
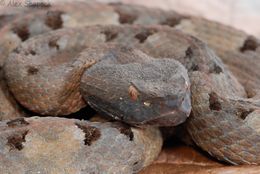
column 45, row 75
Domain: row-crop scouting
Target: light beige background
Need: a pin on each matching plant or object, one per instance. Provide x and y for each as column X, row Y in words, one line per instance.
column 242, row 14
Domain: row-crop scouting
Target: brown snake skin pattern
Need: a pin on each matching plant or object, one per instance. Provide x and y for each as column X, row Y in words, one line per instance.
column 225, row 114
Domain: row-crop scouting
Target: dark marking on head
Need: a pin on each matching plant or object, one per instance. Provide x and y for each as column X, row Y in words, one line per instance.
column 171, row 21
column 249, row 44
column 125, row 18
column 54, row 20
column 92, row 133
column 216, row 69
column 142, row 36
column 32, row 70
column 124, row 129
column 110, row 35
column 16, row 141
column 22, row 31
column 214, row 103
column 19, row 122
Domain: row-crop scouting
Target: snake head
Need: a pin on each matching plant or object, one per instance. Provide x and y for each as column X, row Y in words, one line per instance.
column 155, row 92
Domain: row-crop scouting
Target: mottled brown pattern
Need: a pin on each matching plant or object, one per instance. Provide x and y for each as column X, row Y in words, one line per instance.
column 223, row 104
column 57, row 145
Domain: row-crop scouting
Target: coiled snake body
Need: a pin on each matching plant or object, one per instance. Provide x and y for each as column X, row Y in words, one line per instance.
column 47, row 75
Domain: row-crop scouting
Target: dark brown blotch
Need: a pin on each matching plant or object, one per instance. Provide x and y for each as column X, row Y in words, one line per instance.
column 22, row 31
column 126, row 18
column 54, row 20
column 53, row 44
column 249, row 44
column 171, row 21
column 214, row 103
column 189, row 52
column 188, row 55
column 110, row 35
column 92, row 133
column 216, row 69
column 244, row 113
column 19, row 122
column 32, row 52
column 142, row 36
column 16, row 141
column 124, row 129
column 32, row 70
column 194, row 67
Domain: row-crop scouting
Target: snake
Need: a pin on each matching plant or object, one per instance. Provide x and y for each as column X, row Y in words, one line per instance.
column 225, row 104
column 72, row 146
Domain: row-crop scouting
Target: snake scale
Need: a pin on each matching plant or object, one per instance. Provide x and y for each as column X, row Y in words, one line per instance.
column 224, row 120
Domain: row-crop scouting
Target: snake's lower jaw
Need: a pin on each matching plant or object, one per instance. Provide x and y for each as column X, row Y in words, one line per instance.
column 173, row 116
column 168, row 119
column 161, row 113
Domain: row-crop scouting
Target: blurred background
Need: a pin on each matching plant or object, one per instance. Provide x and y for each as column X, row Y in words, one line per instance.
column 242, row 14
